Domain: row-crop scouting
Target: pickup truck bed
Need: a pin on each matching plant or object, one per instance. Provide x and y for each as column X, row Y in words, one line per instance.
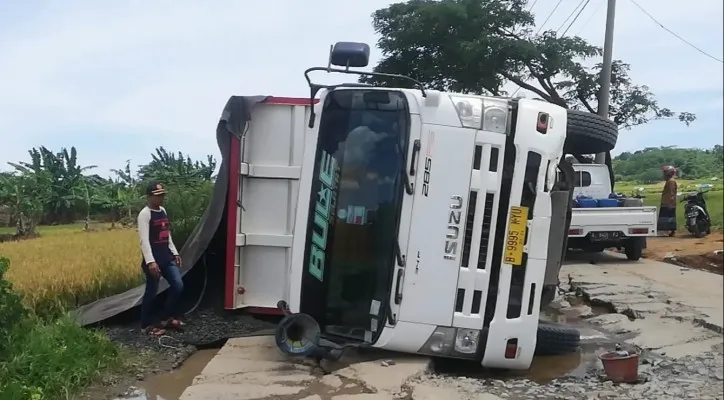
column 594, row 229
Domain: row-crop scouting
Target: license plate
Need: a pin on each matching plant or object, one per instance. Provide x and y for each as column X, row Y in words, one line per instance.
column 515, row 240
column 602, row 236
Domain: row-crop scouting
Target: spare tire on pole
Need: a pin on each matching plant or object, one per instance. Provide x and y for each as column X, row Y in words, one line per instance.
column 588, row 133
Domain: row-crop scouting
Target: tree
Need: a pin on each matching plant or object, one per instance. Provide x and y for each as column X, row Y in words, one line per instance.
column 65, row 179
column 171, row 168
column 108, row 194
column 129, row 196
column 476, row 46
column 645, row 165
column 24, row 194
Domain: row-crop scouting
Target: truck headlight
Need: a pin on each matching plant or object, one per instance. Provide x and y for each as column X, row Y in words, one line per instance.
column 478, row 113
column 495, row 116
column 466, row 341
column 452, row 342
column 440, row 343
column 470, row 110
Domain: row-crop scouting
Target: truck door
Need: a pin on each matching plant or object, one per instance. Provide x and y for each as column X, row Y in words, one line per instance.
column 435, row 248
column 415, row 170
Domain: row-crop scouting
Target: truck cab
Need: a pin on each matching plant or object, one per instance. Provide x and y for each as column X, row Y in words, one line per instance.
column 405, row 219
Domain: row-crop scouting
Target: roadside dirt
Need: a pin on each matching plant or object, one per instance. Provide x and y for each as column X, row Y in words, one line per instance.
column 686, row 250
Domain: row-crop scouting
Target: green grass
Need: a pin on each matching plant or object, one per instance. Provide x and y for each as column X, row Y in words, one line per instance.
column 685, row 185
column 47, row 360
column 55, row 360
column 714, row 202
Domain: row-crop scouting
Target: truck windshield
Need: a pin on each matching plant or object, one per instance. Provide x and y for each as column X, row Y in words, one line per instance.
column 354, row 210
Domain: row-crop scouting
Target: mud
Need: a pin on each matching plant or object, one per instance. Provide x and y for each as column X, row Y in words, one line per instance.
column 569, row 310
column 170, row 385
column 687, row 251
column 158, row 361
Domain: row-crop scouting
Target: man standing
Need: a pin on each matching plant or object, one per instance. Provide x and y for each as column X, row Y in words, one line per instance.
column 160, row 258
column 667, row 210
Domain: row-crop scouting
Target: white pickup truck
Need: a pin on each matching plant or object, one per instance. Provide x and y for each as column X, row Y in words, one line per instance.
column 595, row 229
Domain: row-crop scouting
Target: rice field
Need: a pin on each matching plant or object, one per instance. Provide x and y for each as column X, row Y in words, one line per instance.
column 66, row 266
column 652, row 192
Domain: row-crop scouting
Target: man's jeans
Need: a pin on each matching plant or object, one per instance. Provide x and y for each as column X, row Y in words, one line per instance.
column 172, row 274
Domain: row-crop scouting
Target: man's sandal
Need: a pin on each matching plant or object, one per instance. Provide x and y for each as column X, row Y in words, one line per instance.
column 153, row 331
column 173, row 323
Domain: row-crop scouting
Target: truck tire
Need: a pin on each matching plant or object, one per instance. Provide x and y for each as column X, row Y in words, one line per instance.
column 589, row 133
column 634, row 248
column 556, row 339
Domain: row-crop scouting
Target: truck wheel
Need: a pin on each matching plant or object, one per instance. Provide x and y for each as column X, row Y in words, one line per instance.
column 634, row 248
column 555, row 339
column 589, row 133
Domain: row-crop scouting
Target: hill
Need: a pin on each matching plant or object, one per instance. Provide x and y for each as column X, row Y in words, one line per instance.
column 645, row 165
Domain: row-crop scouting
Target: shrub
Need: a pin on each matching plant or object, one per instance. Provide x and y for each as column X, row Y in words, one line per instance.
column 12, row 311
column 46, row 360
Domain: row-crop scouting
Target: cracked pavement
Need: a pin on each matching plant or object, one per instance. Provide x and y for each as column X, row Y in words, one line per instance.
column 673, row 314
column 671, row 310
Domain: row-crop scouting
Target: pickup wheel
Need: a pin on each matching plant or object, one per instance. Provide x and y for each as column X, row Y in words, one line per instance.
column 589, row 133
column 634, row 248
column 555, row 339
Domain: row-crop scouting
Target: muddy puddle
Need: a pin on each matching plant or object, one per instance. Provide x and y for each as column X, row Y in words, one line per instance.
column 543, row 369
column 171, row 385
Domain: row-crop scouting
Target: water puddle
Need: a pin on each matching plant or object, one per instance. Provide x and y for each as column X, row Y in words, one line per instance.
column 171, row 385
column 543, row 369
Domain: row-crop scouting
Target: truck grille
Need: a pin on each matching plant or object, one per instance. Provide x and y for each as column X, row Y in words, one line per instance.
column 485, row 237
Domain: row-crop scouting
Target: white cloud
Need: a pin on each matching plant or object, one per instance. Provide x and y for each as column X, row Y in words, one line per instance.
column 162, row 71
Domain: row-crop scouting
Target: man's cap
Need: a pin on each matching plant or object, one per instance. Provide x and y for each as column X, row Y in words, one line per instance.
column 155, row 189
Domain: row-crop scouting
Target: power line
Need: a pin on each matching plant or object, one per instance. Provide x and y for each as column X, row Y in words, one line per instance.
column 564, row 22
column 532, row 5
column 675, row 34
column 590, row 17
column 575, row 18
column 569, row 16
column 549, row 16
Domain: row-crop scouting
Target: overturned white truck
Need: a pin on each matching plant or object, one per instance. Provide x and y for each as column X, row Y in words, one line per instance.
column 411, row 220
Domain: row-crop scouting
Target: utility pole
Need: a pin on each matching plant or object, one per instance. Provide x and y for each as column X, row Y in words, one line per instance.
column 605, row 93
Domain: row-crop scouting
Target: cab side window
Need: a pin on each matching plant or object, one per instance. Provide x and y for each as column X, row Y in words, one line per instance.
column 583, row 179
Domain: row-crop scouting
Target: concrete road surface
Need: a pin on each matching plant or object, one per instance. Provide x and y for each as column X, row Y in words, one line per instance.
column 253, row 368
column 672, row 313
column 673, row 310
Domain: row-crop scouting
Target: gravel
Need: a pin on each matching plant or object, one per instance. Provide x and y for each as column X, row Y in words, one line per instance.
column 693, row 377
column 206, row 327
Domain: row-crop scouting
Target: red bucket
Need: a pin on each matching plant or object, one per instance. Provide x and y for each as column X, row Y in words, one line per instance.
column 621, row 369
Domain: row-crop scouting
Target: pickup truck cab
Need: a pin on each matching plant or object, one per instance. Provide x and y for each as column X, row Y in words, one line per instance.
column 594, row 229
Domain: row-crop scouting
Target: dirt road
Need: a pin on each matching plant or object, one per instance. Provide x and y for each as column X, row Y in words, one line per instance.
column 687, row 250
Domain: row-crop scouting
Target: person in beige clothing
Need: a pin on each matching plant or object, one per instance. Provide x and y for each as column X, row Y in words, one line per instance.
column 667, row 209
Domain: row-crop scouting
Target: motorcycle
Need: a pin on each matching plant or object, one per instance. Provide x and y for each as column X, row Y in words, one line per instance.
column 697, row 219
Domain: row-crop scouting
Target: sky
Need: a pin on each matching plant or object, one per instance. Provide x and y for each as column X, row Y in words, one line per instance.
column 118, row 79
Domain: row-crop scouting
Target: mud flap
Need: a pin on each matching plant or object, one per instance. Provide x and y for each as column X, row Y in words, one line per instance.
column 561, row 197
